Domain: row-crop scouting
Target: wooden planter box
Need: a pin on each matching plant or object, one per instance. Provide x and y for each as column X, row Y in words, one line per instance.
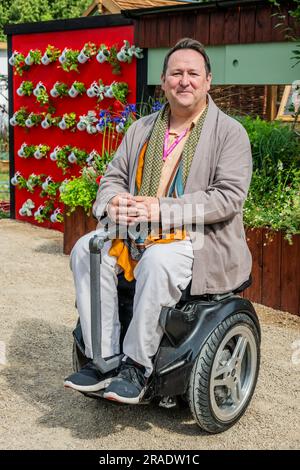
column 275, row 271
column 75, row 226
column 4, row 166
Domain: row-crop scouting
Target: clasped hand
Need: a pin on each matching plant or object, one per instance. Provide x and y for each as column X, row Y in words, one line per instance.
column 126, row 209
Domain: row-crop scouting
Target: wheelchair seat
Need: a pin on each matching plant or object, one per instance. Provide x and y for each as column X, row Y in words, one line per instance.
column 126, row 288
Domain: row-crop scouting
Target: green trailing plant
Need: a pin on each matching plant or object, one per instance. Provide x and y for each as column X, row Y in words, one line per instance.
column 20, row 116
column 42, row 96
column 89, row 49
column 120, row 91
column 109, row 55
column 77, row 88
column 44, row 211
column 26, row 88
column 113, row 60
column 52, row 53
column 71, row 62
column 62, row 157
column 28, row 151
column 70, row 120
column 33, row 57
column 34, row 118
column 50, row 190
column 33, row 181
column 59, row 89
column 20, row 66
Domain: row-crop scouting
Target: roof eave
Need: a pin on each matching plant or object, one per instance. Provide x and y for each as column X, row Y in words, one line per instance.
column 135, row 13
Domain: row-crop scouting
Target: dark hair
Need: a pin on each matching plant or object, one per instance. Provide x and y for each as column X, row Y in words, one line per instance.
column 188, row 43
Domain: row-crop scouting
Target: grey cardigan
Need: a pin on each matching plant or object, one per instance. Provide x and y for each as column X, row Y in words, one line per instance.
column 218, row 182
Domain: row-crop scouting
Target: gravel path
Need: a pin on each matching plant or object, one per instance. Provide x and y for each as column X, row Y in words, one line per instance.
column 37, row 315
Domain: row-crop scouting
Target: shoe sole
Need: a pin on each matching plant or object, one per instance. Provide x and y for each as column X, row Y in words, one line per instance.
column 112, row 396
column 89, row 388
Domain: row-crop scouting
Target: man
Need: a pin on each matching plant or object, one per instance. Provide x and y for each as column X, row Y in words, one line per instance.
column 190, row 154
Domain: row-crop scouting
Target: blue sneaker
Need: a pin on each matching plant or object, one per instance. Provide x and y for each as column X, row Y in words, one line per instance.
column 89, row 379
column 129, row 385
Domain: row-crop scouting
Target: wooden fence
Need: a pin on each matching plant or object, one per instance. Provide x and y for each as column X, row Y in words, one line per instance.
column 275, row 271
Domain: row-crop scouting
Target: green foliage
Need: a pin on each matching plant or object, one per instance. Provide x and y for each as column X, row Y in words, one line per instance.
column 62, row 88
column 21, row 116
column 22, row 11
column 29, row 151
column 71, row 62
column 120, row 91
column 79, row 192
column 271, row 142
column 274, row 196
column 20, row 65
column 27, row 87
column 79, row 86
column 52, row 52
column 42, row 97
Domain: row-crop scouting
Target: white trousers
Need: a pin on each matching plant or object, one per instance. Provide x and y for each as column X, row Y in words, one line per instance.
column 162, row 272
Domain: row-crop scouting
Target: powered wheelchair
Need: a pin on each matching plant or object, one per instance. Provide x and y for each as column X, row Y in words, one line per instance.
column 209, row 355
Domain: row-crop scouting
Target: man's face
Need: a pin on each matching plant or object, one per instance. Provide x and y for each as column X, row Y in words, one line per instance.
column 185, row 83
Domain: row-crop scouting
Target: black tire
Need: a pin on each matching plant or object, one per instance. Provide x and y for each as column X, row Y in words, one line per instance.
column 213, row 405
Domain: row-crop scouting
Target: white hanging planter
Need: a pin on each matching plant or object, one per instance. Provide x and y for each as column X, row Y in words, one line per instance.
column 36, row 91
column 45, row 60
column 28, row 59
column 13, row 121
column 62, row 58
column 12, row 59
column 62, row 124
column 53, row 217
column 39, row 210
column 101, row 57
column 45, row 124
column 19, row 91
column 21, row 150
column 53, row 92
column 73, row 92
column 29, row 123
column 82, row 58
column 81, row 126
column 37, row 154
column 72, row 158
column 26, row 209
column 108, row 93
column 121, row 56
column 14, row 180
column 46, row 183
column 91, row 93
column 53, row 155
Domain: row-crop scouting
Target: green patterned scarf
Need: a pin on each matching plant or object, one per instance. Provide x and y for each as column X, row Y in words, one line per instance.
column 153, row 157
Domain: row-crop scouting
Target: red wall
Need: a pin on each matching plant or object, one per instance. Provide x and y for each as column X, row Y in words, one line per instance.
column 49, row 74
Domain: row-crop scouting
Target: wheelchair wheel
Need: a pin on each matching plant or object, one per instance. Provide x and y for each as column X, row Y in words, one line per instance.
column 225, row 373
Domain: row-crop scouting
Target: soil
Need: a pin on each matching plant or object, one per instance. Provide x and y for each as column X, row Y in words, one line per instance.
column 37, row 315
